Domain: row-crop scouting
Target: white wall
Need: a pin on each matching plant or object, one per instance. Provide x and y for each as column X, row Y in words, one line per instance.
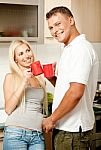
column 4, row 68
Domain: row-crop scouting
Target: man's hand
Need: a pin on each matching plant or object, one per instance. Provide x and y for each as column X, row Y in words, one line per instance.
column 48, row 124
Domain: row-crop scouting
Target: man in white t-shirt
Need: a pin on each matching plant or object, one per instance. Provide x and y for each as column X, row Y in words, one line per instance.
column 75, row 85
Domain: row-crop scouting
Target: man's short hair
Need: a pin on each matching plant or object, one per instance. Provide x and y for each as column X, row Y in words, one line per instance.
column 59, row 9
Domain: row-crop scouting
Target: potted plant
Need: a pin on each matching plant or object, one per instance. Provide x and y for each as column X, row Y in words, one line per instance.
column 50, row 101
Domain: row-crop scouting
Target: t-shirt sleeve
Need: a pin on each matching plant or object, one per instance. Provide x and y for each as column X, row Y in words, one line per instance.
column 80, row 66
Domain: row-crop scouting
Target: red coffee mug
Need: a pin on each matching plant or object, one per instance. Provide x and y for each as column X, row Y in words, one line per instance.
column 36, row 68
column 48, row 70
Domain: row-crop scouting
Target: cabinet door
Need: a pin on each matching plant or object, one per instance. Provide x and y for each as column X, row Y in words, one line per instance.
column 22, row 19
column 1, row 139
column 26, row 2
column 88, row 18
column 1, row 144
column 48, row 140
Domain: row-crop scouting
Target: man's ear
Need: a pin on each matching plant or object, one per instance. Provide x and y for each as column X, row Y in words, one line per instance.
column 72, row 22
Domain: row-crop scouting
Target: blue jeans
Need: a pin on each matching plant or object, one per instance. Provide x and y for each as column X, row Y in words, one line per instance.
column 22, row 139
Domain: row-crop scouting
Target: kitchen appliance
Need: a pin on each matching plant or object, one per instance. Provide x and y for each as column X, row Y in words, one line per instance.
column 97, row 110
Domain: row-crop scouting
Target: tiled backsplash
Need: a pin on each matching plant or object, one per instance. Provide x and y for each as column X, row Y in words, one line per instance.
column 46, row 53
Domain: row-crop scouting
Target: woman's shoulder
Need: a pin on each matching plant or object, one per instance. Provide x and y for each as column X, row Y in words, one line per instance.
column 8, row 76
column 8, row 80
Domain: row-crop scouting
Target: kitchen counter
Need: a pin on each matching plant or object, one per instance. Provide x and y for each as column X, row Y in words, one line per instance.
column 97, row 111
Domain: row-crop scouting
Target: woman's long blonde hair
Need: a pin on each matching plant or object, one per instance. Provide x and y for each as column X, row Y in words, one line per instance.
column 18, row 75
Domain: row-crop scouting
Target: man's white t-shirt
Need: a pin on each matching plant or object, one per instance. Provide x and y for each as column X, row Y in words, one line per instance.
column 78, row 63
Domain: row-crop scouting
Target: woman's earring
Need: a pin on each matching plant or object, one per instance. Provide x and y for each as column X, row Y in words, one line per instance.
column 16, row 61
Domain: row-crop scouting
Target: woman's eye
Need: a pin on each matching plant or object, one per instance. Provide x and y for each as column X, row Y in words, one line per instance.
column 58, row 23
column 28, row 50
column 21, row 53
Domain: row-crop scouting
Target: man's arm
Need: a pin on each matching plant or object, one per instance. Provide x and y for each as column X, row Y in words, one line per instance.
column 69, row 101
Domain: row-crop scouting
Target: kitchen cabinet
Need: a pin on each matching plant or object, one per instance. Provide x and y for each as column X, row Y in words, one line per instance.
column 22, row 19
column 1, row 139
column 88, row 18
column 20, row 2
column 48, row 140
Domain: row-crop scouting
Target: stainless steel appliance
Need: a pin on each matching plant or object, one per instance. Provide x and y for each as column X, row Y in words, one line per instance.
column 97, row 110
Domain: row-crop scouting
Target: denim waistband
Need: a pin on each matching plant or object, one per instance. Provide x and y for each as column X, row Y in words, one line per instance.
column 12, row 128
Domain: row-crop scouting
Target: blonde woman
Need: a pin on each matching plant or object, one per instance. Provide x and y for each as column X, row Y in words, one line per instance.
column 24, row 97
